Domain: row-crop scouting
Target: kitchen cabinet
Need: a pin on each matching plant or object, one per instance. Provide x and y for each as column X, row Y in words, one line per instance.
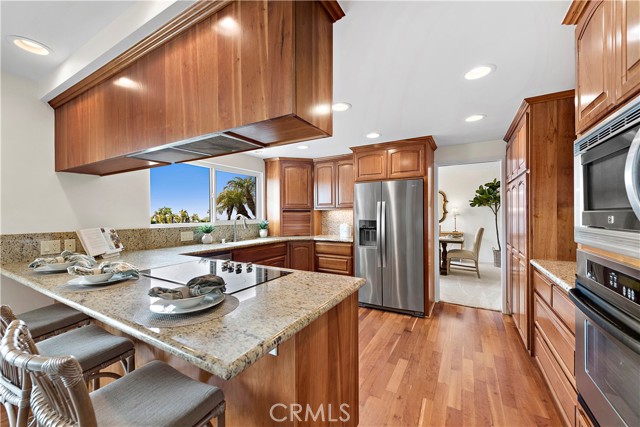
column 289, row 196
column 249, row 70
column 333, row 182
column 334, row 258
column 392, row 160
column 607, row 40
column 554, row 344
column 301, row 255
column 582, row 419
column 263, row 254
column 538, row 196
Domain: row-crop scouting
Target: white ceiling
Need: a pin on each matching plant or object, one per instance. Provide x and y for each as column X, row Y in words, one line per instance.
column 400, row 64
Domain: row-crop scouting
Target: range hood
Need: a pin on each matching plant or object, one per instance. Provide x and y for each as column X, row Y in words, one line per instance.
column 200, row 147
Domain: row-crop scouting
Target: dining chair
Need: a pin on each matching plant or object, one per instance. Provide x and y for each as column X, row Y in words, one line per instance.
column 154, row 395
column 471, row 255
column 54, row 319
column 93, row 347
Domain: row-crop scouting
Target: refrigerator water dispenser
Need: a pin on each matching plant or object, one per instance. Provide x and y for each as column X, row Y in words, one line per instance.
column 367, row 232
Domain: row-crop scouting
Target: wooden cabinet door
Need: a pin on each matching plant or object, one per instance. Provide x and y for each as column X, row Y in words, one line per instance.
column 521, row 215
column 370, row 165
column 297, row 185
column 325, row 178
column 514, row 280
column 406, row 162
column 301, row 256
column 344, row 183
column 595, row 64
column 522, row 151
column 523, row 299
column 627, row 48
column 295, row 223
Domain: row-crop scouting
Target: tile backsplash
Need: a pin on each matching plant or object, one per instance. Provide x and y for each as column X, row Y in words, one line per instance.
column 26, row 247
column 331, row 220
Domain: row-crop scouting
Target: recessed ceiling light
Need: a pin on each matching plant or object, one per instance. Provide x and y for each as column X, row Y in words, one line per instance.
column 480, row 72
column 341, row 106
column 302, row 147
column 373, row 135
column 30, row 45
column 475, row 118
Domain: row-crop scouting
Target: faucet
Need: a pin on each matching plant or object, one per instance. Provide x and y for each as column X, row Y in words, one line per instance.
column 244, row 222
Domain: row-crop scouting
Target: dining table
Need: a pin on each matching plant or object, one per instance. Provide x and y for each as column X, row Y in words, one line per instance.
column 444, row 241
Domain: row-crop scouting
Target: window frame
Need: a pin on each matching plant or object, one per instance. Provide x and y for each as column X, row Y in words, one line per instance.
column 213, row 167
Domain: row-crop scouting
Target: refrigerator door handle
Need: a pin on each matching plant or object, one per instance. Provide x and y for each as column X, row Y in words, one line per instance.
column 378, row 233
column 383, row 226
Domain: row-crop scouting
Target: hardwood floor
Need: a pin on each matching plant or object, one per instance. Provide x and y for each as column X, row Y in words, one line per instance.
column 462, row 367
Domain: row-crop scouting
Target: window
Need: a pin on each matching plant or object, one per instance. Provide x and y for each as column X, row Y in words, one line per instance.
column 203, row 192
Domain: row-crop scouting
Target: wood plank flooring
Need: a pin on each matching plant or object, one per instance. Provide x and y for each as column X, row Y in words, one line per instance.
column 462, row 367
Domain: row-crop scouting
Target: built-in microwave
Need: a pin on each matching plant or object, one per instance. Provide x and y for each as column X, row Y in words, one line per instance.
column 607, row 178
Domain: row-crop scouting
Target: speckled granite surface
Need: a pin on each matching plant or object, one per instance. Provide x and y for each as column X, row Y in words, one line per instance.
column 562, row 273
column 267, row 315
column 331, row 220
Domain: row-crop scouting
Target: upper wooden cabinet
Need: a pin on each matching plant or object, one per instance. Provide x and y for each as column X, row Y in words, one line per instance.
column 392, row 160
column 334, row 181
column 607, row 57
column 253, row 70
column 289, row 196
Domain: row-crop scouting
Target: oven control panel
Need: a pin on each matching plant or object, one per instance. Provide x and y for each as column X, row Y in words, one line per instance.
column 620, row 283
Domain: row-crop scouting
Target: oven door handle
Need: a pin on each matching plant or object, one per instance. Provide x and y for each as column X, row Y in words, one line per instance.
column 632, row 175
column 600, row 316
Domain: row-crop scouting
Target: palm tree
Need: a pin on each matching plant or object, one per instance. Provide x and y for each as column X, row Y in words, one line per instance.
column 246, row 186
column 228, row 201
column 195, row 218
column 184, row 216
column 164, row 215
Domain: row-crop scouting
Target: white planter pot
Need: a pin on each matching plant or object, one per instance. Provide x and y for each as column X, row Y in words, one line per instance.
column 207, row 238
column 264, row 233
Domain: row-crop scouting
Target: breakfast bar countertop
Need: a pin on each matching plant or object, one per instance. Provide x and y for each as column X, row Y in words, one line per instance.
column 225, row 346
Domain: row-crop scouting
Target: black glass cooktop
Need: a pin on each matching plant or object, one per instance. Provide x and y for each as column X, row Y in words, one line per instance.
column 239, row 276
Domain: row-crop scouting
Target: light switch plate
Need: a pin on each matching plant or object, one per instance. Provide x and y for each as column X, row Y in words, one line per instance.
column 70, row 245
column 186, row 236
column 49, row 247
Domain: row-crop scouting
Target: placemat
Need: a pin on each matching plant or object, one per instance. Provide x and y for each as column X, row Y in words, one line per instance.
column 90, row 288
column 149, row 319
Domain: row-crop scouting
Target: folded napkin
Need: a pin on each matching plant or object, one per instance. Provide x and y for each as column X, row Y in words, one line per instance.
column 197, row 286
column 83, row 260
column 118, row 267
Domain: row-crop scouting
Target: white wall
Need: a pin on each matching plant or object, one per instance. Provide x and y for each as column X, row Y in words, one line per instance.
column 460, row 183
column 467, row 153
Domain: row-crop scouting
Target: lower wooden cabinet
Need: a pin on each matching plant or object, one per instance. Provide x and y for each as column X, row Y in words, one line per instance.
column 582, row 419
column 272, row 255
column 280, row 261
column 554, row 344
column 334, row 258
column 301, row 255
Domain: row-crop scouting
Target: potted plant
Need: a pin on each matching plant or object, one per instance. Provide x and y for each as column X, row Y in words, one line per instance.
column 264, row 228
column 489, row 195
column 206, row 231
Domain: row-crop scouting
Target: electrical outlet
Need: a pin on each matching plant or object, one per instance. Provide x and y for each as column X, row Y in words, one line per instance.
column 70, row 245
column 186, row 236
column 49, row 247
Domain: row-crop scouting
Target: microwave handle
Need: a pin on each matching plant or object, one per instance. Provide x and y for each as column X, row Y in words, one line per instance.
column 632, row 175
column 617, row 328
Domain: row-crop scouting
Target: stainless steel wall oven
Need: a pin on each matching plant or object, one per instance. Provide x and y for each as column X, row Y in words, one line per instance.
column 607, row 297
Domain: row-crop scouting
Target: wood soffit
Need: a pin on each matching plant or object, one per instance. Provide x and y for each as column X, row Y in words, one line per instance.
column 575, row 11
column 392, row 144
column 534, row 100
column 199, row 11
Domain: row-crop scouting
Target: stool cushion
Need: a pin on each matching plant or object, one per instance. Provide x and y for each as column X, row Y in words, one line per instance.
column 45, row 320
column 460, row 253
column 91, row 345
column 154, row 395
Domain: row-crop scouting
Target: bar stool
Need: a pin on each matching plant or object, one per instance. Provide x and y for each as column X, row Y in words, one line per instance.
column 154, row 395
column 52, row 320
column 94, row 348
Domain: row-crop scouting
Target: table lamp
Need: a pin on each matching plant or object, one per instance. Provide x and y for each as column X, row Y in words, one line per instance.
column 455, row 212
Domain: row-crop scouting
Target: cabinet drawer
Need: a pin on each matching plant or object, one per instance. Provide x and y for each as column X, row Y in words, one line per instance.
column 557, row 335
column 565, row 309
column 296, row 223
column 260, row 253
column 333, row 264
column 280, row 261
column 562, row 391
column 329, row 248
column 542, row 287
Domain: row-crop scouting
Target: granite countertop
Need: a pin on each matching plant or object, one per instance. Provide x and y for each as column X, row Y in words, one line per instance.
column 266, row 316
column 562, row 273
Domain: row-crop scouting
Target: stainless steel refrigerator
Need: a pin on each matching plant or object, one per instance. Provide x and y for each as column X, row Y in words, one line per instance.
column 389, row 244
